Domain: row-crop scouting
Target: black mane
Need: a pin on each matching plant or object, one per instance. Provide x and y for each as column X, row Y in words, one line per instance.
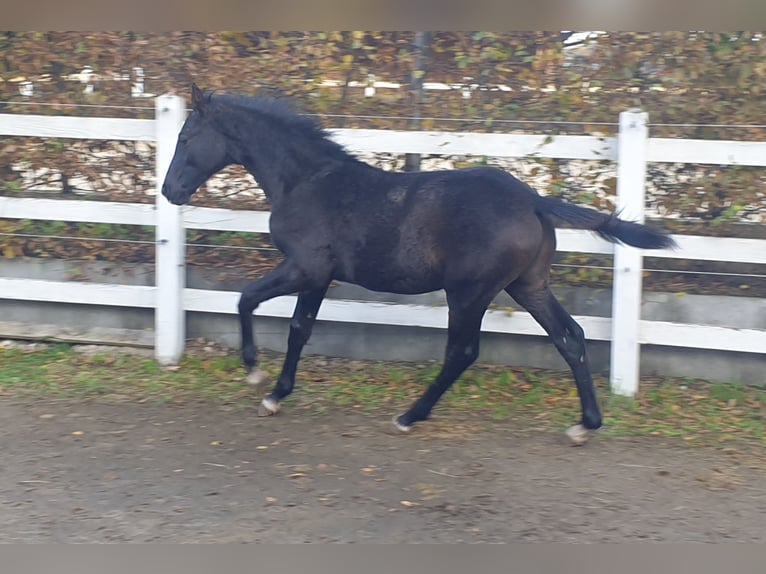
column 282, row 114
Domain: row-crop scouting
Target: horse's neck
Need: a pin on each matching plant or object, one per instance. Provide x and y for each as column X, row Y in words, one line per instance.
column 277, row 165
column 270, row 165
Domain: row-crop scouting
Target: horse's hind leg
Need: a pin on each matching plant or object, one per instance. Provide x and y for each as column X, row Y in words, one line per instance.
column 462, row 350
column 569, row 339
column 302, row 323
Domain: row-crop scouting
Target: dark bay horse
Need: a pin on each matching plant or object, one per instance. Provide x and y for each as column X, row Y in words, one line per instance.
column 471, row 232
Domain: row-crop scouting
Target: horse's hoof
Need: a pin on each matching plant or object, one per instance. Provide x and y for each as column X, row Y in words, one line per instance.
column 258, row 378
column 578, row 435
column 268, row 407
column 399, row 427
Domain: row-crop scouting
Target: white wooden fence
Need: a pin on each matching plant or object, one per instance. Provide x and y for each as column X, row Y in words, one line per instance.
column 632, row 149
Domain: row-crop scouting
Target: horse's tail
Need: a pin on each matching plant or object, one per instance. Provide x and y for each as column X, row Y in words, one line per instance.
column 608, row 226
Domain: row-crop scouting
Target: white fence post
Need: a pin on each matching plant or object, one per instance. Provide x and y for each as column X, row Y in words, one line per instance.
column 170, row 273
column 628, row 261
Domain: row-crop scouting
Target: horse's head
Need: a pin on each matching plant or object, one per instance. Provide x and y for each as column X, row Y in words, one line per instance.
column 200, row 152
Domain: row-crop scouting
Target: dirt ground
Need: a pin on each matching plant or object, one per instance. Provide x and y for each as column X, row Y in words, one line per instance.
column 96, row 472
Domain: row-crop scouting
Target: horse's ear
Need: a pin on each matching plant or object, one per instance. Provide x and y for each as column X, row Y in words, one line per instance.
column 198, row 99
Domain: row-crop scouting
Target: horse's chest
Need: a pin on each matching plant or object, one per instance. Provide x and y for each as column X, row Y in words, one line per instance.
column 291, row 230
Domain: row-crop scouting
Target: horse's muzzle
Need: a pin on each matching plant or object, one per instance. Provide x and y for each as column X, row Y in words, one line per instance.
column 175, row 197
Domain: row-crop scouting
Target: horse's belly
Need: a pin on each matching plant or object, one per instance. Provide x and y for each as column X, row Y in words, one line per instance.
column 402, row 287
column 393, row 279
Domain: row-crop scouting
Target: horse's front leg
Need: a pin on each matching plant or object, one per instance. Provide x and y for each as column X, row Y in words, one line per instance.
column 284, row 279
column 302, row 323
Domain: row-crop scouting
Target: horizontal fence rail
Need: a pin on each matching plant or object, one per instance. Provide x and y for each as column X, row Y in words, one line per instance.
column 397, row 314
column 697, row 247
column 178, row 299
column 77, row 128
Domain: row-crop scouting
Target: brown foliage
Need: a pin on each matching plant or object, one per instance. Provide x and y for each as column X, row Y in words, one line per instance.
column 677, row 77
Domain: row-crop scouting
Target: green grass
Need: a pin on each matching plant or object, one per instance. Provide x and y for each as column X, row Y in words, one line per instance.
column 695, row 411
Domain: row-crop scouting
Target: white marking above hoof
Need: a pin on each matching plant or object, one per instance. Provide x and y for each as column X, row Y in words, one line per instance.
column 578, row 435
column 257, row 378
column 400, row 427
column 268, row 408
